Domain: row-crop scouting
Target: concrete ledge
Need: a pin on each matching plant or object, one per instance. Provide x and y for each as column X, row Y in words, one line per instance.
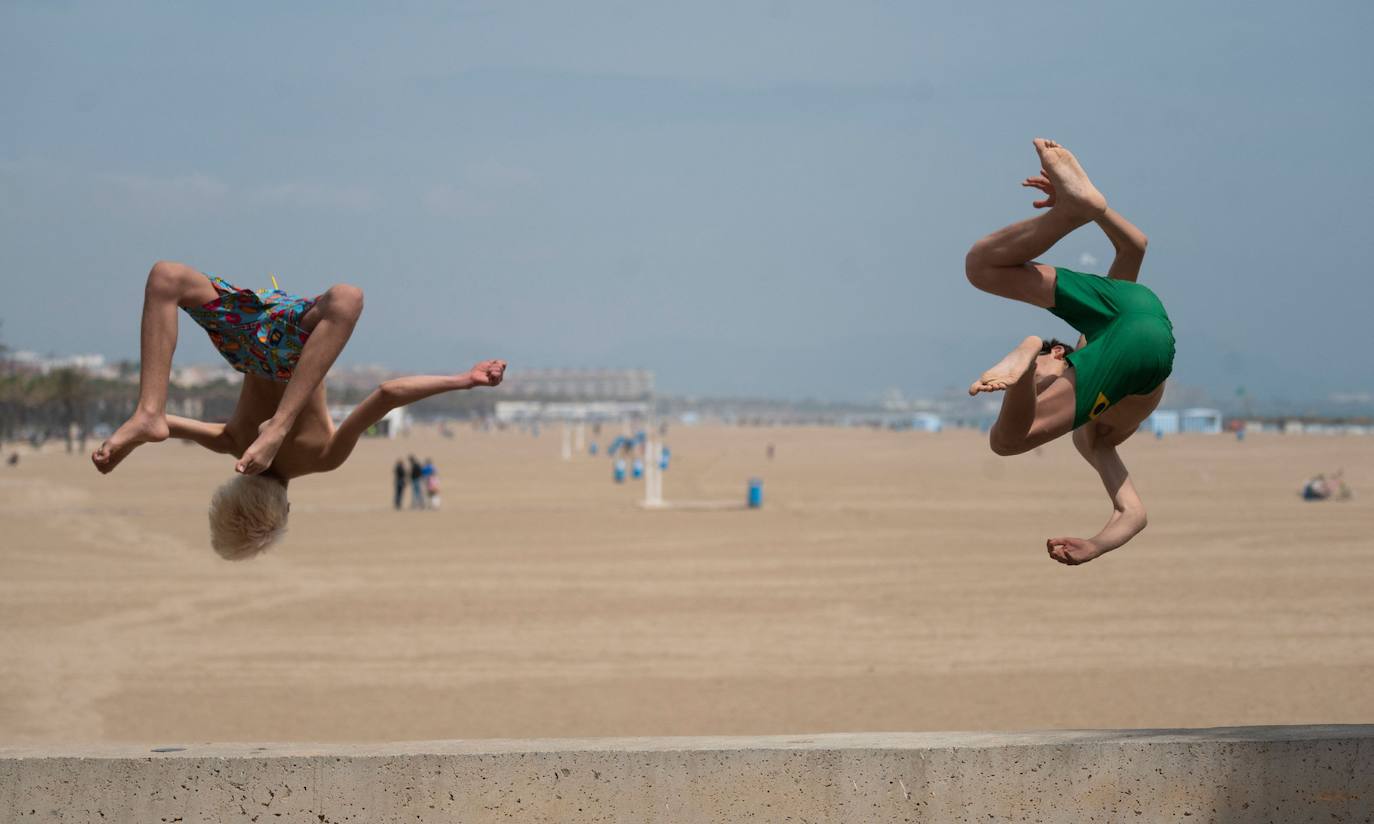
column 1238, row 774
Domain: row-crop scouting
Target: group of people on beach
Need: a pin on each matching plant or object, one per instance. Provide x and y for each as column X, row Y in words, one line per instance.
column 424, row 483
column 1099, row 389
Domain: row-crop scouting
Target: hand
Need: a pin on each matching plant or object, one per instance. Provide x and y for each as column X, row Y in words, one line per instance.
column 488, row 373
column 1072, row 551
column 1041, row 182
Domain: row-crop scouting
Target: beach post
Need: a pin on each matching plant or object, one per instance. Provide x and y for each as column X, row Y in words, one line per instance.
column 653, row 475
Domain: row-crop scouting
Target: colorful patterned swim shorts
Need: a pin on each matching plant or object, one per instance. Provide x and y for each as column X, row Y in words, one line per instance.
column 260, row 332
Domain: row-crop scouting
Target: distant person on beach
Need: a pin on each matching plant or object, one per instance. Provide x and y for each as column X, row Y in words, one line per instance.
column 400, row 472
column 284, row 345
column 426, row 472
column 1324, row 488
column 432, row 484
column 417, row 491
column 1105, row 386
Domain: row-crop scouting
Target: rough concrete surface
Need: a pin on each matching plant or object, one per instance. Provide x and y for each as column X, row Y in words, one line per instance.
column 1237, row 774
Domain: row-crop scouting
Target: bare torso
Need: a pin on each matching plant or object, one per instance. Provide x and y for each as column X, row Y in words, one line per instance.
column 303, row 450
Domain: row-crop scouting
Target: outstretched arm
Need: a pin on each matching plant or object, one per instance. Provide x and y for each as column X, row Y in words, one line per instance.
column 1128, row 241
column 209, row 435
column 402, row 392
column 1128, row 513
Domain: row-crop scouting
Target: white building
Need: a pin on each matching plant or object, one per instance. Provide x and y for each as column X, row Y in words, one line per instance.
column 1162, row 422
column 1205, row 421
column 393, row 423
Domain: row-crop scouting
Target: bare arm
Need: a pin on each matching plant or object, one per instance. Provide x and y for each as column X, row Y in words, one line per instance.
column 1129, row 243
column 1128, row 512
column 209, row 435
column 402, row 392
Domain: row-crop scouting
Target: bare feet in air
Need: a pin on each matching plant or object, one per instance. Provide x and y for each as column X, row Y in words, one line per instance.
column 488, row 373
column 141, row 428
column 1072, row 190
column 260, row 454
column 1008, row 370
column 1072, row 551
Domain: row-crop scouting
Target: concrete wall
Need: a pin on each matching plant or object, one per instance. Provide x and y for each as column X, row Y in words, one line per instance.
column 1253, row 774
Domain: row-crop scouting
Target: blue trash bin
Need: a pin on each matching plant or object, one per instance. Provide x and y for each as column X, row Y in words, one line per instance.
column 637, row 468
column 619, row 471
column 755, row 493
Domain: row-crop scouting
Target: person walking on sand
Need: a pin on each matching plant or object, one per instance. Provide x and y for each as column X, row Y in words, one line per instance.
column 400, row 476
column 426, row 470
column 1105, row 386
column 280, row 429
column 432, row 484
column 417, row 490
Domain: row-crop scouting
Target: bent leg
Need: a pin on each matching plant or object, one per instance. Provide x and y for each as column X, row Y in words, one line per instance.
column 1002, row 263
column 330, row 323
column 1028, row 418
column 169, row 286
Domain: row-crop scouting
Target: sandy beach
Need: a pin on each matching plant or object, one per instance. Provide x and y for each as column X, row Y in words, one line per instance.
column 892, row 581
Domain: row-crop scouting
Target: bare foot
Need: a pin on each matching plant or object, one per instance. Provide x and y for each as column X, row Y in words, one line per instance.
column 141, row 428
column 1074, row 191
column 1008, row 370
column 260, row 454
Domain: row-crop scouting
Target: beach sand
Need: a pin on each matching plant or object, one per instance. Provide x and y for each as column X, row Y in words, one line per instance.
column 892, row 581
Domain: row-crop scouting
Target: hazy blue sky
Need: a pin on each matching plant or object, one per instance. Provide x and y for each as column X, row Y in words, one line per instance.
column 750, row 198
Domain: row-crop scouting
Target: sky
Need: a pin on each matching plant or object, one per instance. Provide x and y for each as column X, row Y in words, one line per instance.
column 751, row 199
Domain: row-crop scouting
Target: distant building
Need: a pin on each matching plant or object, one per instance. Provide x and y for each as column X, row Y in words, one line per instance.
column 202, row 374
column 394, row 423
column 1163, row 422
column 1204, row 421
column 520, row 411
column 580, row 384
column 32, row 363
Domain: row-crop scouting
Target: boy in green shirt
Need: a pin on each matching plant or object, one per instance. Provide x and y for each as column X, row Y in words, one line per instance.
column 1106, row 386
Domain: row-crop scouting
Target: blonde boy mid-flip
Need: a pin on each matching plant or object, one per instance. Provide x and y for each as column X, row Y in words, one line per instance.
column 280, row 429
column 1100, row 390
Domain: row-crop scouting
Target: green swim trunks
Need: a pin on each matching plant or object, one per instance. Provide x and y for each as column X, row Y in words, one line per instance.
column 1130, row 348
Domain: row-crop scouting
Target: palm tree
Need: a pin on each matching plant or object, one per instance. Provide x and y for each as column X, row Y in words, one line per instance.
column 71, row 396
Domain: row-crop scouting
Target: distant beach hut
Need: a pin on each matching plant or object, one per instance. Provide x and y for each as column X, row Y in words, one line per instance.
column 1163, row 422
column 927, row 422
column 1205, row 421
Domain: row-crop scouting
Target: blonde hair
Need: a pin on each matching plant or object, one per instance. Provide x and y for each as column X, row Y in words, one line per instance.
column 247, row 515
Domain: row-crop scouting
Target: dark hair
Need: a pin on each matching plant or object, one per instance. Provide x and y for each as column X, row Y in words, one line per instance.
column 1047, row 345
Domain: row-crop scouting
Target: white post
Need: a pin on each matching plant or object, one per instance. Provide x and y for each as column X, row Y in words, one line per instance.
column 653, row 476
column 567, row 442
